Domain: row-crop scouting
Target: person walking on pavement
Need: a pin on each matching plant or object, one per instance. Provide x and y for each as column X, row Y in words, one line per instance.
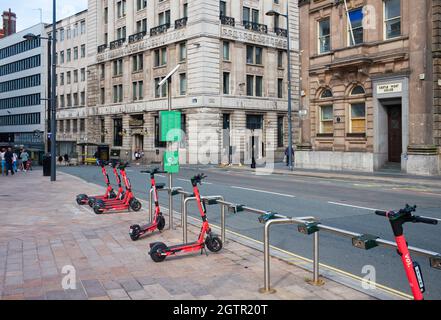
column 14, row 162
column 97, row 157
column 8, row 159
column 287, row 153
column 24, row 159
column 2, row 159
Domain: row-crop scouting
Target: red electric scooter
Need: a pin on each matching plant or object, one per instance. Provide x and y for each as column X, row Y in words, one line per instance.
column 119, row 195
column 129, row 202
column 413, row 270
column 110, row 193
column 136, row 231
column 159, row 251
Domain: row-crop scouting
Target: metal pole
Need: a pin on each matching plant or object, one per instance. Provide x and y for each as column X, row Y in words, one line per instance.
column 223, row 236
column 53, row 92
column 184, row 219
column 170, row 177
column 49, row 95
column 266, row 262
column 290, row 160
column 315, row 278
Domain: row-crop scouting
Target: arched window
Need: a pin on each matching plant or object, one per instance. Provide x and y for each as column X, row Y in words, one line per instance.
column 357, row 91
column 326, row 94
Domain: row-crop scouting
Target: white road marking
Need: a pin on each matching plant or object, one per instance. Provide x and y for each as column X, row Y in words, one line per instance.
column 160, row 175
column 264, row 191
column 352, row 206
column 187, row 180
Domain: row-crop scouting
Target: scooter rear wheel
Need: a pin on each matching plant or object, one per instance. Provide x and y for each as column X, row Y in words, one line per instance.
column 98, row 209
column 91, row 202
column 214, row 244
column 135, row 205
column 155, row 252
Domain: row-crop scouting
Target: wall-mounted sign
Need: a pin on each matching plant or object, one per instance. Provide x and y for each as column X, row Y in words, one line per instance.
column 389, row 88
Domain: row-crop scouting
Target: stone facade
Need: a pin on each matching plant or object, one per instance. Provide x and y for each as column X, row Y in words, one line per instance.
column 72, row 73
column 117, row 32
column 368, row 105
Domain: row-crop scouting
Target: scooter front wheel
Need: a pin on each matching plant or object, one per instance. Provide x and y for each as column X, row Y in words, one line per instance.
column 161, row 223
column 214, row 244
column 155, row 252
column 134, row 232
column 98, row 209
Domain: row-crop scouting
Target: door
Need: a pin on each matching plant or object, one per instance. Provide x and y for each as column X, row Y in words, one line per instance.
column 395, row 135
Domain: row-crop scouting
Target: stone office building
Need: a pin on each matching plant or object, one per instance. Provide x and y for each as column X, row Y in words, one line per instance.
column 231, row 86
column 368, row 95
column 72, row 63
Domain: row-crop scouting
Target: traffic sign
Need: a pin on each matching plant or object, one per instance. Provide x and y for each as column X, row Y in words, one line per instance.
column 171, row 161
column 170, row 126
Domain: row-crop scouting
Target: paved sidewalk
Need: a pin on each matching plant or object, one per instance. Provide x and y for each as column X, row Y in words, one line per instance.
column 43, row 230
column 380, row 176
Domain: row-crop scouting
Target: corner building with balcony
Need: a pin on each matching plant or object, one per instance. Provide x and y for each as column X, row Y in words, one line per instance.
column 368, row 95
column 231, row 86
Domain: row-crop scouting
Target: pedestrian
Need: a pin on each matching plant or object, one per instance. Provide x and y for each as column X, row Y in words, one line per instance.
column 60, row 160
column 14, row 162
column 19, row 161
column 2, row 159
column 287, row 153
column 97, row 157
column 8, row 159
column 66, row 159
column 24, row 159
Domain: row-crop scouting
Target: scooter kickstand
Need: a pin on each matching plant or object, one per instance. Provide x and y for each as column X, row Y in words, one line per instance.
column 204, row 250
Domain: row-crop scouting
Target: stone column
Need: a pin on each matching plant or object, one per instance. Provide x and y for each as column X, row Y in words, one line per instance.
column 127, row 139
column 149, row 139
column 238, row 135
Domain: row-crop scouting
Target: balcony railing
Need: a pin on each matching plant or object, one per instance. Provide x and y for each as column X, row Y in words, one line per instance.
column 137, row 36
column 117, row 43
column 181, row 23
column 159, row 29
column 229, row 21
column 262, row 28
column 281, row 32
column 101, row 48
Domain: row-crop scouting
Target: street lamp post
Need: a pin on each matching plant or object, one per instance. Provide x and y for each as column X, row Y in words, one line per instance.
column 273, row 13
column 52, row 99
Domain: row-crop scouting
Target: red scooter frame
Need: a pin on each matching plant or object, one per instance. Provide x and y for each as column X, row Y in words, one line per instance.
column 129, row 202
column 136, row 231
column 413, row 270
column 119, row 196
column 110, row 193
column 159, row 251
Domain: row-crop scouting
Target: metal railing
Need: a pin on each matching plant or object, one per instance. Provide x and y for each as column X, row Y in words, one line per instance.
column 181, row 23
column 228, row 21
column 262, row 28
column 102, row 48
column 308, row 225
column 117, row 43
column 281, row 32
column 159, row 29
column 137, row 36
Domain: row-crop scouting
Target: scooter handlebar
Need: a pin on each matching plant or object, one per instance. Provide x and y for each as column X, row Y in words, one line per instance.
column 381, row 213
column 425, row 220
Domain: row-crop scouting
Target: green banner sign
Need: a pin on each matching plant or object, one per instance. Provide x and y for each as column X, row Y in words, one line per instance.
column 171, row 161
column 170, row 126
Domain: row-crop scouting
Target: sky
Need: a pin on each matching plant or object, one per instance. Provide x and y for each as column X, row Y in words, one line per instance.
column 28, row 11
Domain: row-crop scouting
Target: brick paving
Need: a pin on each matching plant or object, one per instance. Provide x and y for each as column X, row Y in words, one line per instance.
column 43, row 231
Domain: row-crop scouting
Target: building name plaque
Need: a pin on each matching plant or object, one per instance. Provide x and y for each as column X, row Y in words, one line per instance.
column 389, row 88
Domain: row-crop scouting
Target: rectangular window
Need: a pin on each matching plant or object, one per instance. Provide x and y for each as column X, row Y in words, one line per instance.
column 254, row 55
column 326, row 120
column 83, row 74
column 280, row 88
column 83, row 27
column 62, row 79
column 103, row 96
column 280, row 143
column 76, row 53
column 358, row 118
column 137, row 63
column 392, row 19
column 182, row 51
column 226, row 83
column 259, row 86
column 160, row 91
column 324, row 36
column 246, row 14
column 141, row 4
column 83, row 50
column 280, row 59
column 61, row 57
column 68, row 53
column 160, row 57
column 356, row 17
column 226, row 51
column 117, row 67
column 75, row 98
column 102, row 71
column 69, row 78
column 138, row 90
column 250, row 85
column 82, row 125
column 223, row 8
column 250, row 54
column 183, row 84
column 83, row 98
column 117, row 132
column 118, row 93
column 75, row 76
